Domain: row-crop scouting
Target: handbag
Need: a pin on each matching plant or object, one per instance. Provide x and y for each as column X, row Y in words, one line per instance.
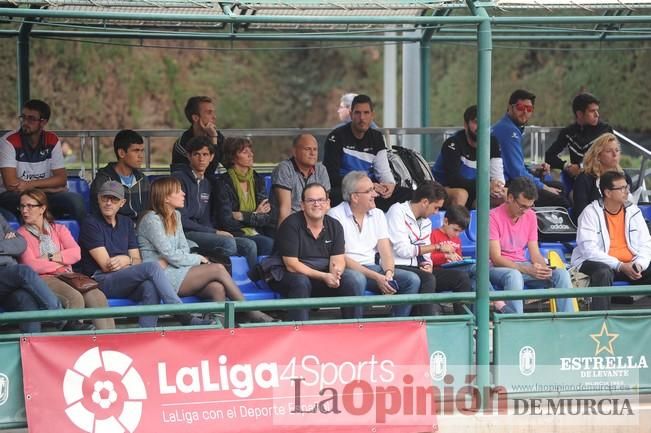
column 82, row 283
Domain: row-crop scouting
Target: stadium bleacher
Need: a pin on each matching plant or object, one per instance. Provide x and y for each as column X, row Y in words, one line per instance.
column 260, row 290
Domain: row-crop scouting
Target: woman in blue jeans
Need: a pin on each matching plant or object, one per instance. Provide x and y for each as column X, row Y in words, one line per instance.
column 242, row 206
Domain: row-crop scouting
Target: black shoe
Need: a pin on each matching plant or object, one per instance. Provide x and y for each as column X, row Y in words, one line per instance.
column 74, row 325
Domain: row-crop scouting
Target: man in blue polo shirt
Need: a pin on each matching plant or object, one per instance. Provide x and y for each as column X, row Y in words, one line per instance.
column 110, row 255
column 31, row 157
column 311, row 245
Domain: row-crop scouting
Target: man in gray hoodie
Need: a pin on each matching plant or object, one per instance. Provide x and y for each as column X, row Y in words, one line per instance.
column 129, row 150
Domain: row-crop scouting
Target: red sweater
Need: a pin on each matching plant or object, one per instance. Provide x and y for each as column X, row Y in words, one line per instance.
column 438, row 237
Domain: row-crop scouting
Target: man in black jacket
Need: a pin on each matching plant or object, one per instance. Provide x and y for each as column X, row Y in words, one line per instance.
column 577, row 137
column 200, row 112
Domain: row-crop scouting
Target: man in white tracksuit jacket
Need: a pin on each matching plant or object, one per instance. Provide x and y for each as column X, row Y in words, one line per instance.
column 613, row 240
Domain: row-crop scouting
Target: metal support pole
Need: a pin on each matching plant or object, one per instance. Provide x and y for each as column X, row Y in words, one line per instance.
column 426, row 139
column 484, row 52
column 390, row 109
column 411, row 94
column 22, row 60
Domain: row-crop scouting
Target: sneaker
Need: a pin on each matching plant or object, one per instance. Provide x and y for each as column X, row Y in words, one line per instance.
column 260, row 317
column 75, row 325
column 506, row 309
column 198, row 321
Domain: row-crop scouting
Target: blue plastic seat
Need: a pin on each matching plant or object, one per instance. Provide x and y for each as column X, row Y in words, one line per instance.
column 78, row 185
column 73, row 226
column 471, row 231
column 468, row 246
column 267, row 184
column 437, row 219
column 250, row 290
column 126, row 302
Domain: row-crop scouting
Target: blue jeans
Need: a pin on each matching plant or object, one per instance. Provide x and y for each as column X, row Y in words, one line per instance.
column 226, row 245
column 408, row 284
column 211, row 241
column 145, row 282
column 263, row 243
column 247, row 247
column 512, row 279
column 21, row 289
column 297, row 286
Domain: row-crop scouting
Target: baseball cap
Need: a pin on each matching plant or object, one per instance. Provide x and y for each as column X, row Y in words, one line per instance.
column 112, row 188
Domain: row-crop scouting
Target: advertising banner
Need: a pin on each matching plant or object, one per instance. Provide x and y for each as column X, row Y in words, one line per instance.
column 450, row 346
column 348, row 378
column 12, row 403
column 593, row 355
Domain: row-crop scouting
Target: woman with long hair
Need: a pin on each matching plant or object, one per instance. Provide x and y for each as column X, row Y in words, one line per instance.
column 242, row 207
column 604, row 155
column 52, row 250
column 161, row 238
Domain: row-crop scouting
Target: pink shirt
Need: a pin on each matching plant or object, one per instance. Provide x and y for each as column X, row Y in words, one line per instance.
column 69, row 249
column 513, row 236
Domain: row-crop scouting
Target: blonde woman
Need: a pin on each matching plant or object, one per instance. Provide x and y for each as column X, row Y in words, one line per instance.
column 604, row 155
column 161, row 238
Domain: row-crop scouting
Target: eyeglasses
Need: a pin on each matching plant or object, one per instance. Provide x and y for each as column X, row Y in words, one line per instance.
column 523, row 107
column 28, row 206
column 621, row 188
column 523, row 207
column 24, row 118
column 109, row 198
column 313, row 201
column 368, row 191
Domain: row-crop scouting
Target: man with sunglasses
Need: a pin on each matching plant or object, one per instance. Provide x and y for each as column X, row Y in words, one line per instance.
column 612, row 240
column 509, row 131
column 512, row 230
column 311, row 246
column 31, row 157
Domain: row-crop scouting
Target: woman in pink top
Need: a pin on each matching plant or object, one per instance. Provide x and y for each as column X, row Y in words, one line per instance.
column 52, row 250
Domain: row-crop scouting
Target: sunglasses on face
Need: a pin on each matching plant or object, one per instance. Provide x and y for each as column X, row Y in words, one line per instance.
column 524, row 107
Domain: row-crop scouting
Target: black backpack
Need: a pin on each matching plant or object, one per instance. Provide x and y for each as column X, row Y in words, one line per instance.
column 408, row 167
column 554, row 224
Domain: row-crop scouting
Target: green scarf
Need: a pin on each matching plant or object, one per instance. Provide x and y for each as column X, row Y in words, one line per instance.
column 247, row 200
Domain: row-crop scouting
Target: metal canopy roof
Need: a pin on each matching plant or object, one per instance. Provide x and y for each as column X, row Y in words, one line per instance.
column 379, row 20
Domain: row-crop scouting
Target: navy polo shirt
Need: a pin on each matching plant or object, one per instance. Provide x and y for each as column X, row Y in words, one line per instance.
column 96, row 232
column 294, row 239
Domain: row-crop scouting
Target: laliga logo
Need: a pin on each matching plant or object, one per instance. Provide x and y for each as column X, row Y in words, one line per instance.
column 104, row 394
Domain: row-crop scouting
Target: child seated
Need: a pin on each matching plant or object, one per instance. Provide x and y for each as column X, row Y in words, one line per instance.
column 447, row 238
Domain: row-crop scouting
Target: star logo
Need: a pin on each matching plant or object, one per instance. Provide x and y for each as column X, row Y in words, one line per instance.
column 609, row 339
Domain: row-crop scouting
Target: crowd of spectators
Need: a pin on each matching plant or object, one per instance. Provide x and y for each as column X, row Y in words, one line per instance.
column 338, row 228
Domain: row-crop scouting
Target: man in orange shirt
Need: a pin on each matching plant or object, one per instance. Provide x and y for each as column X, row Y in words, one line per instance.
column 613, row 240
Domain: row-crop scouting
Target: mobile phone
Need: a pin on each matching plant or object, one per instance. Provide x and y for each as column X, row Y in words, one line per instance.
column 637, row 268
column 394, row 284
column 551, row 267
